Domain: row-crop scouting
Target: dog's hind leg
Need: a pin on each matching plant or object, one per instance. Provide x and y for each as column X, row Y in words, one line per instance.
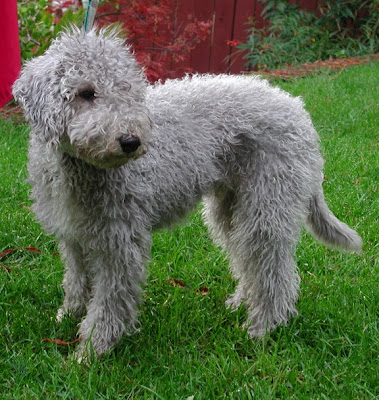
column 269, row 285
column 75, row 283
column 266, row 225
column 217, row 214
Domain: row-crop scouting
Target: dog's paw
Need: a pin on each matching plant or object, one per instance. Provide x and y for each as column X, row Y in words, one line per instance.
column 69, row 311
column 258, row 325
column 234, row 301
column 255, row 332
column 61, row 313
column 82, row 356
column 84, row 353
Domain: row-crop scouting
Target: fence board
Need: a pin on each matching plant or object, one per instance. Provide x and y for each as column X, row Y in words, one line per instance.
column 245, row 10
column 230, row 22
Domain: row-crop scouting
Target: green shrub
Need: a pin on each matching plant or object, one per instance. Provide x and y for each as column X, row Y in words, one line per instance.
column 339, row 28
column 37, row 25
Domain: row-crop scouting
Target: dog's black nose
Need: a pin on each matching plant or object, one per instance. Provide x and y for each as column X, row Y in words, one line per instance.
column 129, row 143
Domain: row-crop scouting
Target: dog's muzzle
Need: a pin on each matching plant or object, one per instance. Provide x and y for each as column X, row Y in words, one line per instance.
column 129, row 143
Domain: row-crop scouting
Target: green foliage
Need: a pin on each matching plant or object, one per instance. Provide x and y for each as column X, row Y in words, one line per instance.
column 339, row 28
column 37, row 25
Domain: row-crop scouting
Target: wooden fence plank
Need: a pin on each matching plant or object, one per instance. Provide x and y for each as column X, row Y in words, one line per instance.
column 230, row 22
column 244, row 11
column 223, row 31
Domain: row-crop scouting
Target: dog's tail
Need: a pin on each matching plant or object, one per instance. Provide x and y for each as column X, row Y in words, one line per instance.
column 328, row 229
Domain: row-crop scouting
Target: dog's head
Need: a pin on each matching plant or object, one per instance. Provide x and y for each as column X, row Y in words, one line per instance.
column 86, row 96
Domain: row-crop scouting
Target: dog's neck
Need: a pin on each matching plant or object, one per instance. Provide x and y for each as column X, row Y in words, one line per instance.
column 73, row 165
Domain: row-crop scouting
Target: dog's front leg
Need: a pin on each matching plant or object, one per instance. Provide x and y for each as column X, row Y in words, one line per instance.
column 75, row 283
column 117, row 273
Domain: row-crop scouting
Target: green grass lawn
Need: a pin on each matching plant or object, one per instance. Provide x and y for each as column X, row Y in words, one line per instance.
column 189, row 345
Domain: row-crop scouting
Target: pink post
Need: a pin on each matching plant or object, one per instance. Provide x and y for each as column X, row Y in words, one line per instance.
column 10, row 59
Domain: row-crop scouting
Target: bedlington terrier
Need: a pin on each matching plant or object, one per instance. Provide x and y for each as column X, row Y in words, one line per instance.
column 113, row 158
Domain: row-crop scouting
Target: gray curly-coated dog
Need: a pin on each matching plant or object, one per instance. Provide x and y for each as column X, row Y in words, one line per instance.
column 112, row 158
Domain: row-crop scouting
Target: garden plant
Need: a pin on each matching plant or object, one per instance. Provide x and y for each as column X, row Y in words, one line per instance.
column 149, row 26
column 293, row 35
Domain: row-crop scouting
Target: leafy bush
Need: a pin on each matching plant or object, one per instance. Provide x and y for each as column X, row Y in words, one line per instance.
column 339, row 28
column 39, row 23
column 151, row 29
column 159, row 45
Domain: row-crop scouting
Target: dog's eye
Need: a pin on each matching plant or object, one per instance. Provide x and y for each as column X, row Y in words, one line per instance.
column 87, row 94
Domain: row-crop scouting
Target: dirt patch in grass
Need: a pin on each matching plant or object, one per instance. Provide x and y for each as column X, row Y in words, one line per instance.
column 12, row 112
column 309, row 68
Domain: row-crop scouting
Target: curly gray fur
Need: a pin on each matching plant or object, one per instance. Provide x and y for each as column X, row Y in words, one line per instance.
column 248, row 149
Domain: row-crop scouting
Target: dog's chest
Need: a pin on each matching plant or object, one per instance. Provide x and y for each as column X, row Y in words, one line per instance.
column 83, row 203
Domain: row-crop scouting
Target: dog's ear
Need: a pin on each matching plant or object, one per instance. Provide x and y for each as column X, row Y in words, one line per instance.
column 37, row 90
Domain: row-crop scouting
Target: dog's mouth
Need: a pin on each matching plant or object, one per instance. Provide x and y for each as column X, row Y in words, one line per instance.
column 115, row 155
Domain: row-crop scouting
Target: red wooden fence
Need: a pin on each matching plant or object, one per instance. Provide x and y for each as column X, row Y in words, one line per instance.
column 230, row 22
